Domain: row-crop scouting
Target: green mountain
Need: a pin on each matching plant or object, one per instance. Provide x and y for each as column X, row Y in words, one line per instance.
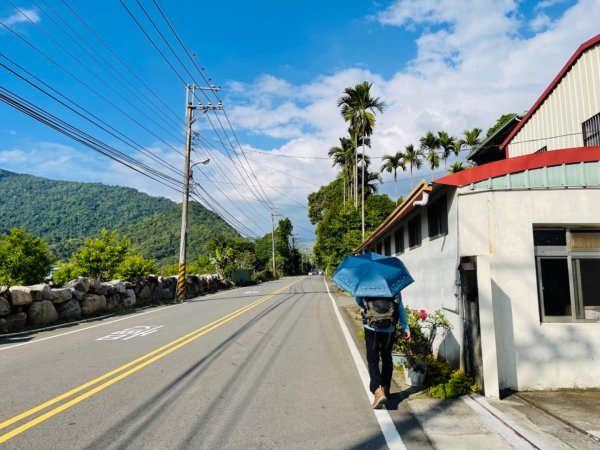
column 64, row 213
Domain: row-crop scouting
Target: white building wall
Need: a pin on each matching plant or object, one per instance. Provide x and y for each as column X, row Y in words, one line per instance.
column 433, row 266
column 499, row 224
column 557, row 123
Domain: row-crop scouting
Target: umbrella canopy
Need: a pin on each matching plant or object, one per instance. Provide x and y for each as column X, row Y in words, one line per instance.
column 372, row 275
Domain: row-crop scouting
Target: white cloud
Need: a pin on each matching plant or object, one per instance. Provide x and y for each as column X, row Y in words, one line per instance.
column 472, row 65
column 540, row 22
column 22, row 15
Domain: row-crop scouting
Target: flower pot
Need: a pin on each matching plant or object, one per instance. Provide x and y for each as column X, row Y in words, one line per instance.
column 413, row 377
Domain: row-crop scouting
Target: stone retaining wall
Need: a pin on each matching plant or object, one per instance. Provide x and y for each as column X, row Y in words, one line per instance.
column 24, row 307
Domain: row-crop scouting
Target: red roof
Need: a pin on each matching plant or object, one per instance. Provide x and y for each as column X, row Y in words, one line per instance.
column 583, row 47
column 519, row 164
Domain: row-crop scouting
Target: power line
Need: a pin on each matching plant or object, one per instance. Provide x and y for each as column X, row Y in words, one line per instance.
column 80, row 136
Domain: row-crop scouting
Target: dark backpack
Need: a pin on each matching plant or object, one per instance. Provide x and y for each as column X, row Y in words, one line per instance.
column 380, row 312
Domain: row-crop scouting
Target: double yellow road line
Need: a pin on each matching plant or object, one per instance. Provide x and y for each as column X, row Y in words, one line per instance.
column 120, row 373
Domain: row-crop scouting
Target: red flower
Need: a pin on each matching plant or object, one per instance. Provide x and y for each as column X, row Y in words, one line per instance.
column 423, row 314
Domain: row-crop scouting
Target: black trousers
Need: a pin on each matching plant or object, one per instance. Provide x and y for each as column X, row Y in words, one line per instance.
column 379, row 349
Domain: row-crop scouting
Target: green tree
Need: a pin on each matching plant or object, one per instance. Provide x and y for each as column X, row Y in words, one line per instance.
column 456, row 167
column 378, row 207
column 100, row 257
column 499, row 123
column 446, row 143
column 24, row 258
column 391, row 163
column 358, row 108
column 342, row 157
column 429, row 146
column 322, row 200
column 471, row 138
column 414, row 158
column 134, row 266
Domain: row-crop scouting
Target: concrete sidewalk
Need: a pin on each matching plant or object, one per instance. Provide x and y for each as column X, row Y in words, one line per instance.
column 524, row 420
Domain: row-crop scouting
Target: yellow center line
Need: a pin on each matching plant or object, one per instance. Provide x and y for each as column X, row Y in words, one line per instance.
column 165, row 349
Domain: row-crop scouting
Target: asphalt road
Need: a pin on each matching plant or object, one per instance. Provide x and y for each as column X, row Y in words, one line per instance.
column 265, row 366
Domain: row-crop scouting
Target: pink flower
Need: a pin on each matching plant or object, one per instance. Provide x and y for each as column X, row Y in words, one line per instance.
column 423, row 314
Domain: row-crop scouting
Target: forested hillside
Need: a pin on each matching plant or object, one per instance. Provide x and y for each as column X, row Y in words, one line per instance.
column 64, row 213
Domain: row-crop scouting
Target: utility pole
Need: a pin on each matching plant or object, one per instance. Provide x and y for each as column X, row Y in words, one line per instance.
column 273, row 240
column 190, row 106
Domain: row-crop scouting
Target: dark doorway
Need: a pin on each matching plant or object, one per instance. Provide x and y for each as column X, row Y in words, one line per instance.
column 473, row 360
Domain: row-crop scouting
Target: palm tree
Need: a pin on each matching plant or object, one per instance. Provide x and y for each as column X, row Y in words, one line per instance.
column 430, row 144
column 446, row 143
column 471, row 138
column 342, row 156
column 372, row 179
column 358, row 109
column 391, row 163
column 456, row 167
column 414, row 158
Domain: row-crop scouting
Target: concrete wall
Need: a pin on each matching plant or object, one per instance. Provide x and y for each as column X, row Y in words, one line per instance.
column 433, row 266
column 498, row 225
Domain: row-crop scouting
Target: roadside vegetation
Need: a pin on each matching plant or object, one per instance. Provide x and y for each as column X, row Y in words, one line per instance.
column 336, row 208
column 26, row 259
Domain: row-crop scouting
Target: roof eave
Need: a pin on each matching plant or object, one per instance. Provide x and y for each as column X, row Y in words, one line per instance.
column 397, row 214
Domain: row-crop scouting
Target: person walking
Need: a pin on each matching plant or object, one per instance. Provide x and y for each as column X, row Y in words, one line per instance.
column 380, row 316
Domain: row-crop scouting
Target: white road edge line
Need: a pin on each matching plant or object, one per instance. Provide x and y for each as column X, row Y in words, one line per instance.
column 517, row 436
column 389, row 430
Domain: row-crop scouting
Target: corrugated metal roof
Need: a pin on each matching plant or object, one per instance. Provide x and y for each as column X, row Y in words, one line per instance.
column 582, row 48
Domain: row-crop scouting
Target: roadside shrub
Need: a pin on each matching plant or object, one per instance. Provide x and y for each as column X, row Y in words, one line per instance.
column 438, row 372
column 458, row 384
column 24, row 258
column 264, row 275
column 65, row 273
column 100, row 257
column 135, row 266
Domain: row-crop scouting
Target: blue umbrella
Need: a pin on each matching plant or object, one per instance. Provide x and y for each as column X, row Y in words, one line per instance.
column 372, row 275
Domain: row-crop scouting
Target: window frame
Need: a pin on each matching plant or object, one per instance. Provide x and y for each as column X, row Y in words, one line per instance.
column 572, row 256
column 591, row 131
column 387, row 245
column 399, row 237
column 437, row 210
column 418, row 228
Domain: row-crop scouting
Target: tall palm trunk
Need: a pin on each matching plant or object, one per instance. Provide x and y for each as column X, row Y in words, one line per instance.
column 362, row 191
column 356, row 170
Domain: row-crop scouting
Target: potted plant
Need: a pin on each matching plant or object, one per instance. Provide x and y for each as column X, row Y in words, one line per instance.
column 424, row 328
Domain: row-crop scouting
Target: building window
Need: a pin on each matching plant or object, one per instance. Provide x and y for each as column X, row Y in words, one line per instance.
column 568, row 264
column 591, row 131
column 399, row 240
column 387, row 246
column 437, row 217
column 414, row 232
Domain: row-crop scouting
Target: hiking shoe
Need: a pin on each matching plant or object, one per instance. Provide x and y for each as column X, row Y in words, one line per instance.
column 386, row 391
column 379, row 398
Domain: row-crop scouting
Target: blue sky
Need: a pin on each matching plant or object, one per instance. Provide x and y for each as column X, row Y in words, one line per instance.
column 438, row 64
